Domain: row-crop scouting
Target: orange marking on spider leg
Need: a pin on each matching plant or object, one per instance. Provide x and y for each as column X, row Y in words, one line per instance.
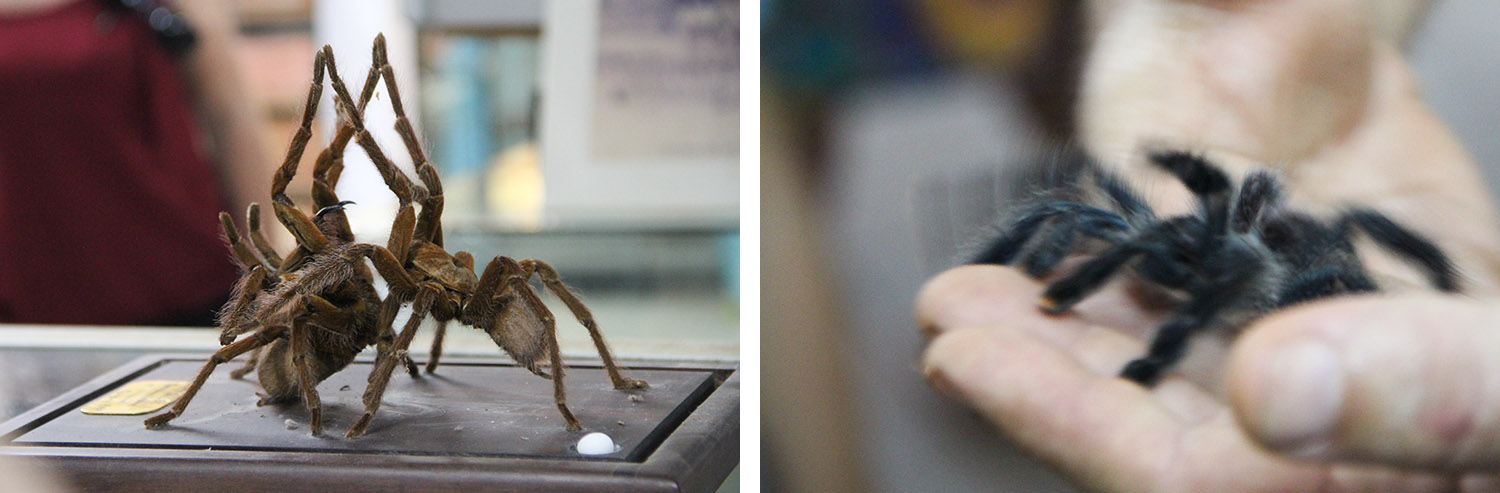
column 1051, row 306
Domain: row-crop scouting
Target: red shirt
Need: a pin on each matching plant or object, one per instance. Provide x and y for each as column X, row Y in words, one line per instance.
column 107, row 205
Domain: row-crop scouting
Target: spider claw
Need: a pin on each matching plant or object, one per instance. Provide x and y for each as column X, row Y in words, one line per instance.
column 1052, row 306
column 358, row 430
column 335, row 207
column 1144, row 371
column 160, row 420
column 631, row 383
column 411, row 366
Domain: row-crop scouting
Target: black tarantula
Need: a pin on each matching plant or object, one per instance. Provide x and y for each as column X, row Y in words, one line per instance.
column 1241, row 255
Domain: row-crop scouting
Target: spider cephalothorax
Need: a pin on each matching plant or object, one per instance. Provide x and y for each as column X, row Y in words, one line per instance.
column 1241, row 255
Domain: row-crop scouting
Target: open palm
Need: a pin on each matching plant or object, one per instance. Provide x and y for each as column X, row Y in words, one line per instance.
column 1050, row 384
column 1396, row 391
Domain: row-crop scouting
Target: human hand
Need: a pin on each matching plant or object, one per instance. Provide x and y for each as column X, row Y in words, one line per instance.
column 1301, row 86
column 1363, row 393
column 1375, row 392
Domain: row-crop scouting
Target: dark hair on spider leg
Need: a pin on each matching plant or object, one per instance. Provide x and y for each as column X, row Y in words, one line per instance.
column 1195, row 172
column 1061, row 295
column 1323, row 282
column 1124, row 198
column 1145, row 371
column 1407, row 244
column 1050, row 250
column 1003, row 250
column 1260, row 190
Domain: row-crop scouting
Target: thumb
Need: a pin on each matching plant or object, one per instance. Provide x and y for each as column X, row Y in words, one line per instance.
column 1404, row 381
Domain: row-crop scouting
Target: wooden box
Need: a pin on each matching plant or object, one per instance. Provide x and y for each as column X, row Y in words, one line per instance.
column 472, row 426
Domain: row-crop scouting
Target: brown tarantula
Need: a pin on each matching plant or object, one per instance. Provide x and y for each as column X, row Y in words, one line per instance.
column 313, row 311
column 1241, row 255
column 444, row 286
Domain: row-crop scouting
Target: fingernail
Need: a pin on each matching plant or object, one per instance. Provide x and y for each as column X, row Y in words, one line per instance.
column 939, row 381
column 1301, row 398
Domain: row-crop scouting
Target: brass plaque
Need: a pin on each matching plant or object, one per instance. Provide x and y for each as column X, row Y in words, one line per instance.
column 137, row 398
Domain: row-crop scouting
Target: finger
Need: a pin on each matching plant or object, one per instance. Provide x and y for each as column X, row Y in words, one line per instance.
column 970, row 295
column 1097, row 429
column 1407, row 381
column 1108, row 433
column 985, row 295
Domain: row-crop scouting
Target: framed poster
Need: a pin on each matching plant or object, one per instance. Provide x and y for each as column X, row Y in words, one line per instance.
column 640, row 113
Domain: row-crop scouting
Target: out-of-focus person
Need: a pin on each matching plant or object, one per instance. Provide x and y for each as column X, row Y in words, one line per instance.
column 124, row 130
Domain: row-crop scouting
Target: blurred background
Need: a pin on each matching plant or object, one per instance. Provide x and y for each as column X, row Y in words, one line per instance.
column 892, row 134
column 601, row 137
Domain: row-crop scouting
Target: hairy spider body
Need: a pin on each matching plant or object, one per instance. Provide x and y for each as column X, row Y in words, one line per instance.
column 308, row 314
column 1241, row 255
column 316, row 309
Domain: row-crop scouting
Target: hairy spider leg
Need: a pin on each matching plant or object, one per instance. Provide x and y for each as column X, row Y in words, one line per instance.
column 1054, row 244
column 1209, row 184
column 1233, row 272
column 1259, row 191
column 325, row 177
column 516, row 286
column 224, row 354
column 236, row 318
column 397, row 181
column 1021, row 231
column 1062, row 237
column 429, row 224
column 1407, row 244
column 260, row 273
column 1322, row 282
column 305, row 380
column 394, row 178
column 330, row 165
column 554, row 283
column 1195, row 172
column 258, row 238
column 1125, row 200
column 242, row 252
column 1063, row 293
column 397, row 245
column 309, row 238
column 437, row 346
column 309, row 317
column 1211, row 292
column 435, row 355
column 380, row 377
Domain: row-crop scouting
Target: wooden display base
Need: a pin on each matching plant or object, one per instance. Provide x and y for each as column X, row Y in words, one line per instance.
column 471, row 426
